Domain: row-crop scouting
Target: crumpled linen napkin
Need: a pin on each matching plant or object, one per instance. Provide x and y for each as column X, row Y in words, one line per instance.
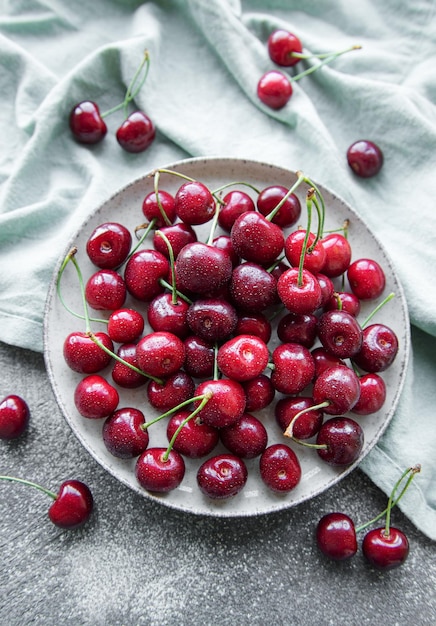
column 206, row 59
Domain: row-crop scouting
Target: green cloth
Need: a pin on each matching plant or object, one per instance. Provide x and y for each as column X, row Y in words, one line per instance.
column 206, row 59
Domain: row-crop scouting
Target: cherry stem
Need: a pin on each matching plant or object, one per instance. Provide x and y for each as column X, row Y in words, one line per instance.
column 205, row 396
column 300, row 179
column 30, row 484
column 195, row 412
column 377, row 309
column 172, row 265
column 181, row 295
column 234, row 184
column 148, row 227
column 163, row 170
column 130, row 94
column 327, row 59
column 309, row 202
column 289, row 430
column 213, row 226
column 391, row 503
column 165, row 217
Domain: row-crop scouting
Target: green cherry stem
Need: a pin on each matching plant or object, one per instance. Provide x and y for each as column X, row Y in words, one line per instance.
column 323, row 55
column 309, row 201
column 174, row 297
column 289, row 432
column 159, row 203
column 234, row 184
column 182, row 424
column 205, row 396
column 163, row 170
column 130, row 94
column 377, row 309
column 300, row 179
column 29, row 483
column 328, row 58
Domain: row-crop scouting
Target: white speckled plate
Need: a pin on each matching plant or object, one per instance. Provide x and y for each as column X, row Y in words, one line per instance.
column 255, row 498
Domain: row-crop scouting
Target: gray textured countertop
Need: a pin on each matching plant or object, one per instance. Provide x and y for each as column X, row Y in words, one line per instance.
column 138, row 563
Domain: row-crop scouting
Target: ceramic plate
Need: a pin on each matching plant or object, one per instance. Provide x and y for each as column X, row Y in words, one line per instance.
column 255, row 498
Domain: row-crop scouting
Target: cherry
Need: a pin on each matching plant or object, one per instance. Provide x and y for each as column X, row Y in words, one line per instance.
column 14, row 417
column 195, row 439
column 222, row 476
column 178, row 235
column 254, row 324
column 83, row 355
column 314, row 256
column 233, row 205
column 124, row 375
column 340, row 440
column 171, row 392
column 307, row 424
column 247, row 438
column 300, row 292
column 385, row 550
column 159, row 471
column 125, row 325
column 252, row 288
column 160, row 353
column 199, row 357
column 136, row 133
column 159, row 208
column 108, row 245
column 372, row 394
column 86, row 123
column 324, row 360
column 338, row 388
column 105, row 290
column 224, row 243
column 290, row 209
column 225, row 405
column 212, row 319
column 340, row 333
column 122, row 433
column 344, row 301
column 164, row 314
column 327, row 288
column 257, row 239
column 202, row 268
column 95, row 398
column 337, row 254
column 194, row 203
column 379, row 348
column 274, row 89
column 243, row 357
column 298, row 328
column 294, row 368
column 336, row 536
column 365, row 158
column 280, row 468
column 282, row 46
column 367, row 279
column 143, row 274
column 259, row 393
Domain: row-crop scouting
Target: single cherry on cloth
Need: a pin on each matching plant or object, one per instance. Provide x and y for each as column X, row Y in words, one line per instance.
column 86, row 123
column 365, row 158
column 385, row 549
column 136, row 133
column 109, row 245
column 282, row 46
column 222, row 476
column 274, row 89
column 280, row 468
column 14, row 417
column 336, row 536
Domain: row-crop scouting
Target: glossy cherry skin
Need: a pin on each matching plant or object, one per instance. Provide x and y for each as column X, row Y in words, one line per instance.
column 367, row 279
column 259, row 393
column 73, row 505
column 125, row 325
column 86, row 123
column 339, row 386
column 122, row 374
column 157, row 474
column 282, row 45
column 256, row 239
column 344, row 301
column 343, row 438
column 105, row 290
column 234, row 204
column 290, row 210
column 372, row 394
column 274, row 89
column 299, row 298
column 224, row 243
column 365, row 158
column 243, row 357
column 109, row 245
column 160, row 354
column 143, row 273
column 14, row 417
column 212, row 319
column 222, row 476
column 307, row 424
column 195, row 439
column 337, row 254
column 379, row 348
column 340, row 333
column 202, row 269
column 314, row 259
column 199, row 357
column 298, row 328
column 194, row 203
column 95, row 398
column 324, row 360
column 178, row 234
column 385, row 551
column 165, row 315
column 136, row 133
column 152, row 210
column 247, row 438
column 336, row 536
column 280, row 468
column 122, row 433
column 174, row 390
column 226, row 404
column 83, row 355
column 252, row 288
column 294, row 368
column 327, row 288
column 254, row 324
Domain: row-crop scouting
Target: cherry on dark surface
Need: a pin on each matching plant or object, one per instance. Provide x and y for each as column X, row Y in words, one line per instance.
column 105, row 290
column 212, row 319
column 159, row 472
column 122, row 433
column 271, row 196
column 337, row 254
column 202, row 268
column 125, row 325
column 195, row 438
column 95, row 397
column 340, row 333
column 243, row 357
column 294, row 368
column 314, row 257
column 282, row 46
column 252, row 288
column 307, row 424
column 222, row 476
column 385, row 549
column 122, row 374
column 171, row 392
column 343, row 439
column 163, row 314
column 86, row 123
column 83, row 355
column 226, row 403
column 143, row 273
column 259, row 393
column 160, row 353
column 344, row 301
column 109, row 245
column 338, row 386
column 298, row 328
column 367, row 279
column 303, row 296
column 234, row 204
column 257, row 239
column 14, row 417
column 274, row 89
column 280, row 468
column 365, row 158
column 372, row 394
column 136, row 133
column 178, row 235
column 153, row 205
column 379, row 348
column 194, row 203
column 247, row 438
column 199, row 357
column 336, row 536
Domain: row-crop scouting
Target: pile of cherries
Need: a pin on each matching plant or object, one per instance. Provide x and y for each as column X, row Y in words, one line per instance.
column 207, row 358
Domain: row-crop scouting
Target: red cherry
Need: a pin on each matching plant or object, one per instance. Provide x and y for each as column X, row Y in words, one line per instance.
column 256, row 239
column 307, row 424
column 280, row 468
column 122, row 374
column 367, row 279
column 105, row 290
column 159, row 473
column 212, row 319
column 164, row 314
column 365, row 158
column 336, row 536
column 194, row 203
column 136, row 133
column 254, row 324
column 122, row 433
column 340, row 333
column 199, row 357
column 222, row 476
column 259, row 393
column 86, row 123
column 299, row 297
column 372, row 394
column 95, row 398
column 313, row 259
column 152, row 210
column 274, row 89
column 294, row 368
column 234, row 204
column 337, row 254
column 243, row 357
column 202, row 268
column 108, row 245
column 171, row 392
column 179, row 235
column 298, row 328
column 160, row 353
column 247, row 438
column 226, row 404
column 125, row 325
column 14, row 417
column 290, row 210
column 143, row 273
column 343, row 438
column 344, row 301
column 83, row 355
column 73, row 505
column 339, row 386
column 324, row 360
column 385, row 550
column 378, row 350
column 195, row 439
column 252, row 288
column 282, row 45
